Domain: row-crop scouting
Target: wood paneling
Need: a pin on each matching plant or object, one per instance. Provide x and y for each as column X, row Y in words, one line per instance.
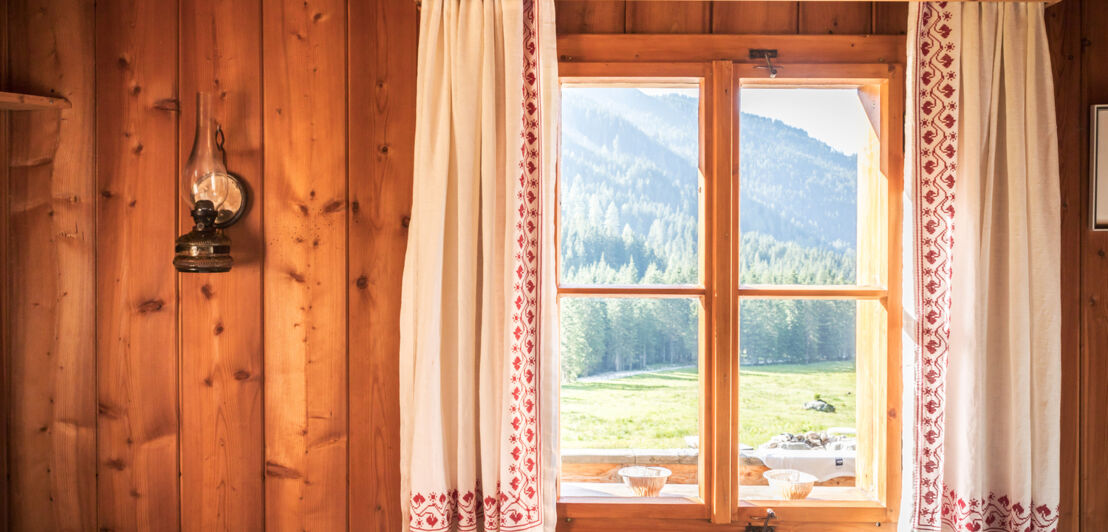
column 729, row 16
column 668, row 17
column 755, row 17
column 94, row 209
column 304, row 213
column 1094, row 296
column 6, row 283
column 835, row 17
column 52, row 332
column 1065, row 44
column 590, row 16
column 890, row 18
column 222, row 442
column 136, row 330
column 381, row 151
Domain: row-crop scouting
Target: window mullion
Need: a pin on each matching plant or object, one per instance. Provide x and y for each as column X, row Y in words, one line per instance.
column 724, row 448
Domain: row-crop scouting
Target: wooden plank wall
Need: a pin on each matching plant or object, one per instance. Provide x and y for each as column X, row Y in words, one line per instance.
column 382, row 50
column 1080, row 50
column 136, row 295
column 770, row 17
column 305, row 206
column 138, row 399
column 5, row 281
column 53, row 331
column 1072, row 131
column 221, row 315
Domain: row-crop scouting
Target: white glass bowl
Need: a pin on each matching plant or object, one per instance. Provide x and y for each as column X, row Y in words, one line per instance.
column 645, row 481
column 790, row 483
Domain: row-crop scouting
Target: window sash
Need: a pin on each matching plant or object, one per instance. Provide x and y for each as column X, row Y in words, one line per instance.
column 721, row 294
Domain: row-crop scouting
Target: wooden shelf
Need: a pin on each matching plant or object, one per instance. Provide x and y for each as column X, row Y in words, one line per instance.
column 12, row 101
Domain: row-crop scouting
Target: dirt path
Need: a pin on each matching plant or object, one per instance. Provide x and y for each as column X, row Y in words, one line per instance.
column 621, row 374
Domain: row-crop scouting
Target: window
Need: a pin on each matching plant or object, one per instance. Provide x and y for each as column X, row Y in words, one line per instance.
column 630, row 278
column 803, row 166
column 728, row 258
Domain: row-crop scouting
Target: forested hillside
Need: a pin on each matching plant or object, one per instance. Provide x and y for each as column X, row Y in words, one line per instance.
column 630, row 198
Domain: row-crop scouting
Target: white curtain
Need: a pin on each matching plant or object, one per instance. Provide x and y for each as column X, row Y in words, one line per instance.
column 478, row 374
column 982, row 304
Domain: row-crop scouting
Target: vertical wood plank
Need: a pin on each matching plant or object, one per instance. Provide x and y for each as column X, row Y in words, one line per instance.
column 382, row 70
column 668, row 17
column 754, row 17
column 222, row 441
column 137, row 168
column 851, row 18
column 590, row 16
column 305, row 266
column 52, row 323
column 5, row 284
column 1094, row 296
column 1065, row 48
column 890, row 18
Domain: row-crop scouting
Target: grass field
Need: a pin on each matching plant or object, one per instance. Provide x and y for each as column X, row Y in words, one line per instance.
column 657, row 410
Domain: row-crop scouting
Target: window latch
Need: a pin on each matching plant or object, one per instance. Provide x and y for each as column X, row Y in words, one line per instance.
column 769, row 56
column 764, row 527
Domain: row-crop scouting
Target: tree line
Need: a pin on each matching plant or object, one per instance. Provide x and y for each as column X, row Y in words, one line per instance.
column 630, row 199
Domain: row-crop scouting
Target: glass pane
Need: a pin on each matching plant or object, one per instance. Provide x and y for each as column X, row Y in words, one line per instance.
column 629, row 190
column 798, row 389
column 799, row 152
column 630, row 392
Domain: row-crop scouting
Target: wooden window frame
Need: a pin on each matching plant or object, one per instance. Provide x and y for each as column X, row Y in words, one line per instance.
column 720, row 66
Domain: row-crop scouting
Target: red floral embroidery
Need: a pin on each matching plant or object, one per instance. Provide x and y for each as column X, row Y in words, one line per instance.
column 521, row 501
column 935, row 105
column 996, row 514
column 450, row 510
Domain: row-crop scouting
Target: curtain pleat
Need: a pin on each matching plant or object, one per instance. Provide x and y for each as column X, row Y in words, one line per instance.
column 478, row 375
column 982, row 283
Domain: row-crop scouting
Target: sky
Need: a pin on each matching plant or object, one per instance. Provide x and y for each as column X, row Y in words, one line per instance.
column 832, row 116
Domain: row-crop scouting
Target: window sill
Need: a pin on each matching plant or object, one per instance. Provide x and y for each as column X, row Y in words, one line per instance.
column 821, row 496
column 826, row 504
column 601, row 499
column 589, row 491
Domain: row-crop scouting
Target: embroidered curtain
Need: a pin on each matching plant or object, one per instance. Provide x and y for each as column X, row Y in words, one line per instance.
column 478, row 395
column 982, row 305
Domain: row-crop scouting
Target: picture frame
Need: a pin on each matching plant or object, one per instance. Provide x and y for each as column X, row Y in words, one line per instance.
column 1098, row 168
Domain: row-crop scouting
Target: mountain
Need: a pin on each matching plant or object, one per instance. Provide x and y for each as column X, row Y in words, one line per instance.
column 636, row 153
column 629, row 196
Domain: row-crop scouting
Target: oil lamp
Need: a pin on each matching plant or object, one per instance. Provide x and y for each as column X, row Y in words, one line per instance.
column 216, row 198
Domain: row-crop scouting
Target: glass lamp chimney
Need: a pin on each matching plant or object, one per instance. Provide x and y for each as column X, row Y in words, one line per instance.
column 205, row 176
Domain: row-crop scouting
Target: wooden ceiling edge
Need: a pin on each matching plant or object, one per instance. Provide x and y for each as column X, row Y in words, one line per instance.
column 663, row 48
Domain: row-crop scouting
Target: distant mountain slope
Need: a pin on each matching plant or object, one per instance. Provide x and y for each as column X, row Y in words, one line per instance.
column 639, row 151
column 788, row 175
column 629, row 192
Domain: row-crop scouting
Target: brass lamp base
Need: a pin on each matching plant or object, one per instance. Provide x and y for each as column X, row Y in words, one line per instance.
column 205, row 249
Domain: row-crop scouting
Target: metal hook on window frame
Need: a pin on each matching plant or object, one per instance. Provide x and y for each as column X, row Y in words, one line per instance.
column 769, row 56
column 765, row 526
